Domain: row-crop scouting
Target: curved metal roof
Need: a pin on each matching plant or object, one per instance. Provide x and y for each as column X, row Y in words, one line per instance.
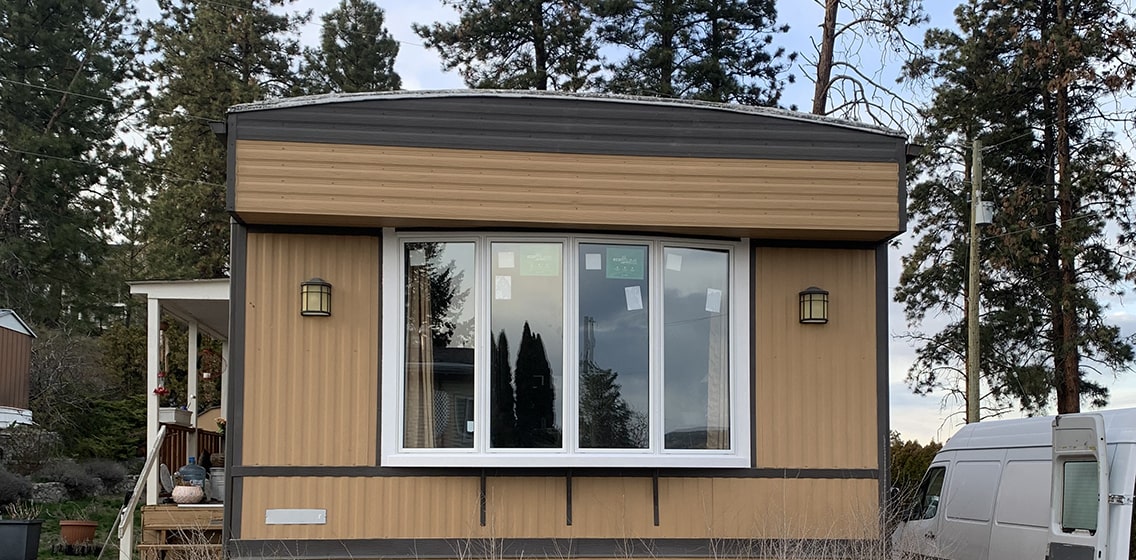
column 330, row 98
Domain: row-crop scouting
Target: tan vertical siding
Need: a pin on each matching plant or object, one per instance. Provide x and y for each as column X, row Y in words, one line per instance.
column 535, row 507
column 816, row 384
column 293, row 182
column 15, row 356
column 311, row 383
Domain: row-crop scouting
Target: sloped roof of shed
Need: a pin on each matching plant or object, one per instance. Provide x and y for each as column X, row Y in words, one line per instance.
column 330, row 98
column 9, row 320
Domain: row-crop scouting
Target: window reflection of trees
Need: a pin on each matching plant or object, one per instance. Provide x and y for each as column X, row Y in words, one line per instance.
column 439, row 353
column 606, row 420
column 523, row 400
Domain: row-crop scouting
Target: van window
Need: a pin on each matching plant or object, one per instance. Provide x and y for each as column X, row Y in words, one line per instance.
column 929, row 492
column 973, row 485
column 1080, row 496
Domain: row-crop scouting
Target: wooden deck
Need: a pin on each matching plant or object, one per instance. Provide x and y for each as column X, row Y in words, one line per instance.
column 172, row 532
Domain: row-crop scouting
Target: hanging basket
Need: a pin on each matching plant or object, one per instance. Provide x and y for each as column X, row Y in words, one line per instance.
column 211, row 364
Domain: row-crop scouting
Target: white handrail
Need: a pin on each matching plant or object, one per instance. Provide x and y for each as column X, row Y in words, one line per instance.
column 126, row 514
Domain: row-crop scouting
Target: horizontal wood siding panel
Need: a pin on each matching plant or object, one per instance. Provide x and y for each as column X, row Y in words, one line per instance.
column 297, row 182
column 311, row 383
column 535, row 507
column 816, row 384
column 15, row 357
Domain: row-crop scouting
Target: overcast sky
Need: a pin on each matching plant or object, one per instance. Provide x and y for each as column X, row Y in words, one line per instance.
column 915, row 417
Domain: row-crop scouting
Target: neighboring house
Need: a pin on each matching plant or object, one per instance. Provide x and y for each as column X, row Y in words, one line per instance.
column 559, row 325
column 15, row 369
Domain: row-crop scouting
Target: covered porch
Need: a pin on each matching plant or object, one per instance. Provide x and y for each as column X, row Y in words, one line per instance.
column 202, row 306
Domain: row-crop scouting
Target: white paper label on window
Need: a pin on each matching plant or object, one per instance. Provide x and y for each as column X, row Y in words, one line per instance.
column 634, row 298
column 593, row 261
column 506, row 259
column 713, row 300
column 469, row 426
column 674, row 261
column 417, row 257
column 503, row 287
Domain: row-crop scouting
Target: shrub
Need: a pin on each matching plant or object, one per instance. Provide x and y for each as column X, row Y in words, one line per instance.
column 13, row 487
column 79, row 484
column 27, row 448
column 111, row 473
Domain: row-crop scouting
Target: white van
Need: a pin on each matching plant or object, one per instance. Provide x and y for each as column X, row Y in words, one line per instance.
column 1055, row 488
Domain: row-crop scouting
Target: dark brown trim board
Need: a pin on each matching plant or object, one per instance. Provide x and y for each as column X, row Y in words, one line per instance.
column 545, row 548
column 883, row 418
column 334, row 472
column 234, row 443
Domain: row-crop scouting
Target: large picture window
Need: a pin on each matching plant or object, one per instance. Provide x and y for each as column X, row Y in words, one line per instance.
column 564, row 350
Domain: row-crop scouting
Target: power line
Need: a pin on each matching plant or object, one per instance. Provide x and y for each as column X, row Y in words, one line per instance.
column 1042, row 226
column 150, row 170
column 1007, row 141
column 107, row 99
column 57, row 90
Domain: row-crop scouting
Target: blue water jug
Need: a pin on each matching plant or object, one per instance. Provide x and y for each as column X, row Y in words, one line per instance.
column 193, row 474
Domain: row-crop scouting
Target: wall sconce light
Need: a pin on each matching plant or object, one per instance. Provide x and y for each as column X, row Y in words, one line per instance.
column 315, row 298
column 814, row 306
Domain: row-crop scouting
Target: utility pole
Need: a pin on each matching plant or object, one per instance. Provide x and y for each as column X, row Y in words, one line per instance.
column 972, row 363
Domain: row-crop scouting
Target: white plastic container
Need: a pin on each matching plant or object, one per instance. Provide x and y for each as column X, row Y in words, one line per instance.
column 217, row 483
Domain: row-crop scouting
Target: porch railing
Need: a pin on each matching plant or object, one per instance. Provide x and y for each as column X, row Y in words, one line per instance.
column 175, row 448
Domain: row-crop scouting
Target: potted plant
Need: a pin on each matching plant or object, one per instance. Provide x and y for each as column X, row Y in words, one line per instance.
column 77, row 529
column 19, row 530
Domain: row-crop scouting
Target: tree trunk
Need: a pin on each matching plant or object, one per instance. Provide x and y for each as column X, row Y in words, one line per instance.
column 667, row 37
column 540, row 48
column 1068, row 358
column 824, row 63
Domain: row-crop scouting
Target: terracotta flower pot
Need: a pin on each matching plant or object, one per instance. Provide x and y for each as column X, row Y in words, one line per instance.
column 77, row 532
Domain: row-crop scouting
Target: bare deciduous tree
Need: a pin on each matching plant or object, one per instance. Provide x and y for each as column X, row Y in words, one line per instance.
column 843, row 85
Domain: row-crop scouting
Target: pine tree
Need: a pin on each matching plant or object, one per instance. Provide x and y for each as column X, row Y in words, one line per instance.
column 535, row 394
column 503, row 419
column 63, row 66
column 714, row 50
column 210, row 56
column 518, row 44
column 356, row 52
column 1049, row 256
column 605, row 417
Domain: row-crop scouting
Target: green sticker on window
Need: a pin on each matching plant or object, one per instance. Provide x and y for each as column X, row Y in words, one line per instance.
column 626, row 263
column 540, row 260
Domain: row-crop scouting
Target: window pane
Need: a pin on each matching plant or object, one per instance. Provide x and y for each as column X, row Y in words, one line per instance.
column 527, row 351
column 696, row 381
column 439, row 345
column 1080, row 497
column 930, row 493
column 614, row 346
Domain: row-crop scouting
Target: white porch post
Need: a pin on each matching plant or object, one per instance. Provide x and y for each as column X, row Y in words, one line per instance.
column 153, row 335
column 191, row 390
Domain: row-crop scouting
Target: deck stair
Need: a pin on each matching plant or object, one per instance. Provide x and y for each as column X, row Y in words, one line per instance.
column 186, row 532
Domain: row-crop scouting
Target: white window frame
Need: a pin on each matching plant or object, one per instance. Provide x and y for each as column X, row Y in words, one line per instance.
column 738, row 455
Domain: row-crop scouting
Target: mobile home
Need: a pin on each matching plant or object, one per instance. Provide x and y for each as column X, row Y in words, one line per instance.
column 529, row 324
